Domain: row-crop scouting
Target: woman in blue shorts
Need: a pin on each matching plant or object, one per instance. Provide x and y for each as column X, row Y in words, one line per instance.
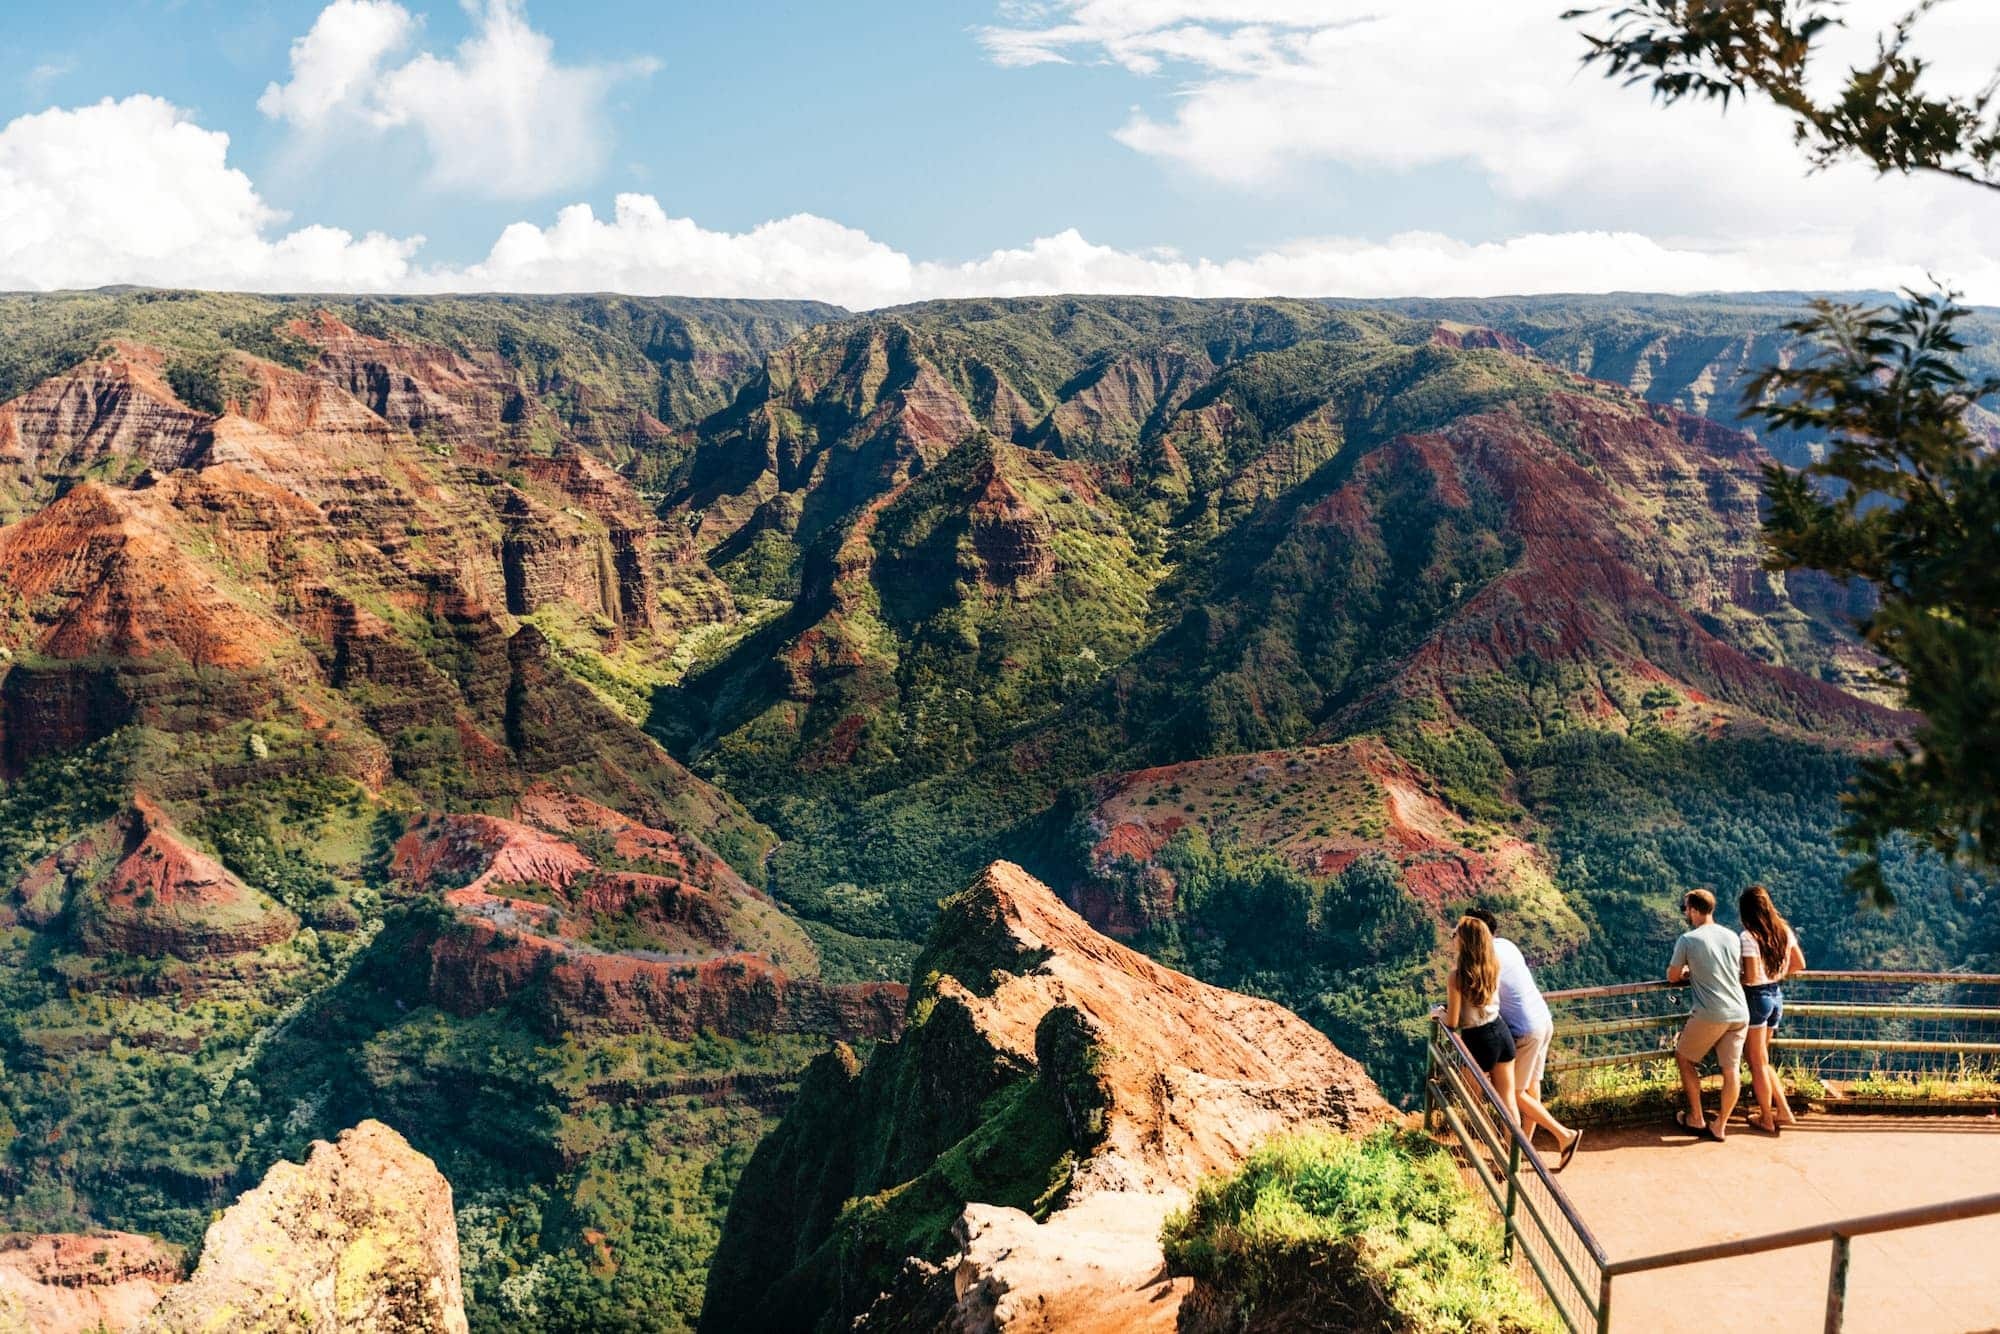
column 1771, row 953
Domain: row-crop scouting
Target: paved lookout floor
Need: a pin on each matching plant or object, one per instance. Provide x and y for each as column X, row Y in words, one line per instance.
column 1650, row 1189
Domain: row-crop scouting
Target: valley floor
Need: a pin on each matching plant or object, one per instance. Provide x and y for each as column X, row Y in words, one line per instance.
column 1645, row 1190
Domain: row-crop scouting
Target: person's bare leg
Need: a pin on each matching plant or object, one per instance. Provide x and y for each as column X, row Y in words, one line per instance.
column 1524, row 1116
column 1762, row 1078
column 1732, row 1086
column 1535, row 1113
column 1691, row 1086
column 1502, row 1077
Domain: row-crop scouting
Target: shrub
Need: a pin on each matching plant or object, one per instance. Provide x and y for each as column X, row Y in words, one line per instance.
column 1376, row 1233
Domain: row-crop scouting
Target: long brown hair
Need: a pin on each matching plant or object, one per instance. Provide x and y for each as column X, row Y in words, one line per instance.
column 1772, row 934
column 1478, row 967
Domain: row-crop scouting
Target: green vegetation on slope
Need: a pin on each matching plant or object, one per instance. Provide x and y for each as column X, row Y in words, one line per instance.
column 1173, row 531
column 1323, row 1232
column 677, row 358
column 590, row 1174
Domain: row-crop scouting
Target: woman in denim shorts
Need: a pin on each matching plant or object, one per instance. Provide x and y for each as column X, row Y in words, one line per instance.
column 1771, row 953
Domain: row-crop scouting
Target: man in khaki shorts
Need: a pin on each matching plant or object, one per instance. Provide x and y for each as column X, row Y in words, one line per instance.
column 1710, row 959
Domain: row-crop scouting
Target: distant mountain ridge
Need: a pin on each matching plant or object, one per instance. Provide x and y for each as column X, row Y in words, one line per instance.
column 543, row 723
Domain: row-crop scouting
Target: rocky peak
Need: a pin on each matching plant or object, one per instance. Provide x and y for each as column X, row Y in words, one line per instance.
column 291, row 402
column 359, row 1238
column 136, row 886
column 1055, row 1095
column 103, row 573
column 117, row 406
column 1170, row 1043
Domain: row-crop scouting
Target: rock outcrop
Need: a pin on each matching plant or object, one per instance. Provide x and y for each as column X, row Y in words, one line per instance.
column 82, row 1283
column 429, row 391
column 135, row 886
column 104, row 574
column 358, row 1239
column 664, row 938
column 1010, row 537
column 1055, row 1096
column 115, row 411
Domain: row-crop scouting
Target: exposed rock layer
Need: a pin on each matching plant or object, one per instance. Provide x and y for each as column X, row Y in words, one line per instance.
column 81, row 1283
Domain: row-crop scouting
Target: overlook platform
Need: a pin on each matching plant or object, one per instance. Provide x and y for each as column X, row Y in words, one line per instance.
column 1879, row 1211
column 1646, row 1190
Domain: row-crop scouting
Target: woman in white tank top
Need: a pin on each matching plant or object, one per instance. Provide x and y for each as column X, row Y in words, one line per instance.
column 1472, row 1006
column 1771, row 953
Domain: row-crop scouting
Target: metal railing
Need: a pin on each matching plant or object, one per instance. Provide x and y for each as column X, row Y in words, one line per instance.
column 1837, row 1025
column 1542, row 1227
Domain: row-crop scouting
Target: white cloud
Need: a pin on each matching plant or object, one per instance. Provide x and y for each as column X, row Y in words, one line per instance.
column 1261, row 91
column 642, row 250
column 46, row 75
column 500, row 116
column 337, row 60
column 134, row 192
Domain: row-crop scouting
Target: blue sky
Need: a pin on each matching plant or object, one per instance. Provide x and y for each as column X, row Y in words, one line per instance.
column 873, row 152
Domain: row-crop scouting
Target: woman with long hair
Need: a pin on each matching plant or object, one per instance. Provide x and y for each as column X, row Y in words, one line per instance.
column 1472, row 1006
column 1771, row 953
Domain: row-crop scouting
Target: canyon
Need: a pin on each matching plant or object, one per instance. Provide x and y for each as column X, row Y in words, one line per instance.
column 545, row 729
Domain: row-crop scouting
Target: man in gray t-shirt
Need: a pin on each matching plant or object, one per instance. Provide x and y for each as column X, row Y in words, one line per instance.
column 1710, row 959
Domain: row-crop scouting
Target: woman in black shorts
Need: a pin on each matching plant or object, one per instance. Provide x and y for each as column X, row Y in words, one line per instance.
column 1472, row 1006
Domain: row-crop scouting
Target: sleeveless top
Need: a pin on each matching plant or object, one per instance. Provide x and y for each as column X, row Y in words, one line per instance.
column 1763, row 970
column 1478, row 1016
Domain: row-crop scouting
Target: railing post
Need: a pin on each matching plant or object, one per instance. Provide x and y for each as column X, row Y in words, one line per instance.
column 1430, row 1081
column 1836, row 1286
column 1604, row 1303
column 1513, row 1189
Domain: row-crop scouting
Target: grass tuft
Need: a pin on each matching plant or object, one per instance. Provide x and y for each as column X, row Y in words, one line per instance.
column 1377, row 1233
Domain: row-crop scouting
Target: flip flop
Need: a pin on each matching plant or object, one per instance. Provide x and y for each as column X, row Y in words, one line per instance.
column 1692, row 1127
column 1569, row 1152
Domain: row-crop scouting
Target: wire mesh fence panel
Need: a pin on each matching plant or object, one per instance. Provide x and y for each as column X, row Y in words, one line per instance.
column 1546, row 1240
column 1607, row 1037
column 1877, row 1031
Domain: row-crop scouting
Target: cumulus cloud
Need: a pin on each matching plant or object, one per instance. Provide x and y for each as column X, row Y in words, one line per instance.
column 500, row 116
column 338, row 61
column 135, row 192
column 644, row 251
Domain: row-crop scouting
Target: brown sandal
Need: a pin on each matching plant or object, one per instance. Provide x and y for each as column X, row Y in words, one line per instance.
column 1570, row 1151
